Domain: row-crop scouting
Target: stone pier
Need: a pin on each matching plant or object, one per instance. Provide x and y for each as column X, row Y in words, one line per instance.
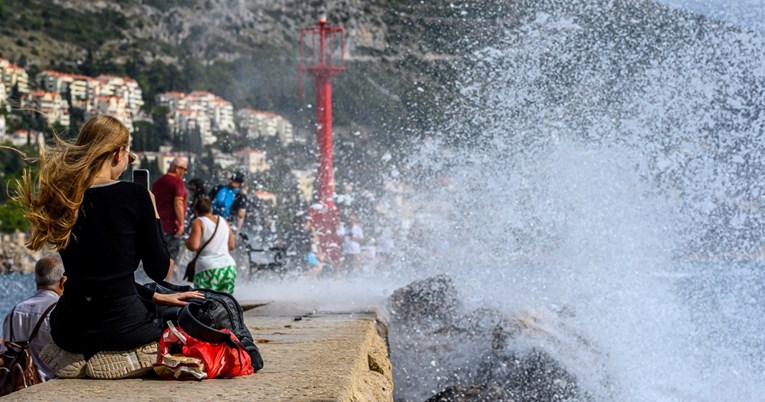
column 309, row 356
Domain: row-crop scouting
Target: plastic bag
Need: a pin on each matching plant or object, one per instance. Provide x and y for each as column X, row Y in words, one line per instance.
column 183, row 357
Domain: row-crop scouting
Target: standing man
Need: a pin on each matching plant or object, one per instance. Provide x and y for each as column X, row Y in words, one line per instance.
column 170, row 194
column 49, row 278
column 230, row 200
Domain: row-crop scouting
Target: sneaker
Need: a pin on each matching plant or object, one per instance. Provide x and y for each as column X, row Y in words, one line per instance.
column 64, row 364
column 123, row 364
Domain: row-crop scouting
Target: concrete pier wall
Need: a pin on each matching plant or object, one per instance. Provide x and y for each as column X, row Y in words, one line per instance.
column 309, row 356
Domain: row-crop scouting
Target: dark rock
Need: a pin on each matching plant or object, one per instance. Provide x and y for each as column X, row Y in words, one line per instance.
column 471, row 393
column 432, row 302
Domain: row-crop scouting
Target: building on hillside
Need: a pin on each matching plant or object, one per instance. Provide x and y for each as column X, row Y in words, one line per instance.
column 252, row 160
column 306, row 180
column 123, row 87
column 198, row 111
column 220, row 111
column 80, row 87
column 3, row 95
column 111, row 105
column 265, row 196
column 19, row 138
column 255, row 123
column 14, row 76
column 225, row 160
column 2, row 126
column 193, row 123
column 51, row 105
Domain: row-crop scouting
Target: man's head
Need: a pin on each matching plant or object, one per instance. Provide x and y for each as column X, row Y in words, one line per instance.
column 49, row 274
column 178, row 166
column 237, row 179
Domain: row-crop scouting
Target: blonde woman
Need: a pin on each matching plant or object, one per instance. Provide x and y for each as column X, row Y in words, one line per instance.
column 215, row 268
column 103, row 229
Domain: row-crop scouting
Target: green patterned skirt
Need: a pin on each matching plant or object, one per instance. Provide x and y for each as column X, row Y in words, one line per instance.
column 220, row 279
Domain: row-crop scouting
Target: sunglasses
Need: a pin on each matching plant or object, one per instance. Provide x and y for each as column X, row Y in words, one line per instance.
column 131, row 156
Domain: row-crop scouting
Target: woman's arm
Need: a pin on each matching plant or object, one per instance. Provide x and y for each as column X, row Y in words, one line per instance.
column 231, row 238
column 152, row 249
column 195, row 236
column 175, row 299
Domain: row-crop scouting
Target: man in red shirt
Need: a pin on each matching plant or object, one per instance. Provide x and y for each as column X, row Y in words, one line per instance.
column 170, row 194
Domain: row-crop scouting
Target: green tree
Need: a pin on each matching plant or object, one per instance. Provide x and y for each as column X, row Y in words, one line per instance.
column 12, row 218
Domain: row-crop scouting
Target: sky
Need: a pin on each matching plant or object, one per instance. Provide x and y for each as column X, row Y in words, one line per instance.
column 744, row 13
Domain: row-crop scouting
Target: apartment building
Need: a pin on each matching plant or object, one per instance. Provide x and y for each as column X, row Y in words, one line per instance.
column 192, row 122
column 115, row 106
column 252, row 160
column 306, row 180
column 80, row 87
column 123, row 87
column 255, row 123
column 13, row 75
column 220, row 111
column 52, row 105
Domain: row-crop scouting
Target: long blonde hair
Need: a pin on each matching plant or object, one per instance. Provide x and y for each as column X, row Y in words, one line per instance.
column 51, row 202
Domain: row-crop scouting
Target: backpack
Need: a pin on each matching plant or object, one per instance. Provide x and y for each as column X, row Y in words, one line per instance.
column 223, row 201
column 205, row 318
column 17, row 366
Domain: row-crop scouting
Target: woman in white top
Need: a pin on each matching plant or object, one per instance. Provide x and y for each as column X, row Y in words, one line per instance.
column 215, row 267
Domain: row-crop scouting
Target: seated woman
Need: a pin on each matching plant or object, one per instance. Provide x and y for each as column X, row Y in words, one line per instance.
column 103, row 229
column 215, row 268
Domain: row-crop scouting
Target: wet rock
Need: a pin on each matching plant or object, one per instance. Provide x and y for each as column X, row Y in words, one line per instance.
column 431, row 301
column 471, row 393
column 530, row 356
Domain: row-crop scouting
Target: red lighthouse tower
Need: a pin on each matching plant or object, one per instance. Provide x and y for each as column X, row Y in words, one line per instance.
column 318, row 44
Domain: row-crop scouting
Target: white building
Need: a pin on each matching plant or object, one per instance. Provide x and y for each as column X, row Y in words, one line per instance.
column 306, row 180
column 80, row 87
column 13, row 75
column 225, row 160
column 3, row 95
column 256, row 123
column 52, row 105
column 192, row 122
column 252, row 160
column 111, row 105
column 220, row 111
column 123, row 87
column 19, row 138
column 2, row 125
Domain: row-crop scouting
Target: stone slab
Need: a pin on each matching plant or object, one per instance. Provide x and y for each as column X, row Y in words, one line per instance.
column 309, row 356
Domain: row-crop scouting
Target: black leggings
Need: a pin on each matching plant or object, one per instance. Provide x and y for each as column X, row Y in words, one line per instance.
column 90, row 325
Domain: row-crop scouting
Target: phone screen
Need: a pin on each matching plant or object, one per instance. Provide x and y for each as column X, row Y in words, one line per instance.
column 141, row 176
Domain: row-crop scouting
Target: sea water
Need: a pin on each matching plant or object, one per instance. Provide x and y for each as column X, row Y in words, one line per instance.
column 607, row 169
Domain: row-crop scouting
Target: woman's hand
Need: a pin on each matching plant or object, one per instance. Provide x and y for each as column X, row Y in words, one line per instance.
column 175, row 299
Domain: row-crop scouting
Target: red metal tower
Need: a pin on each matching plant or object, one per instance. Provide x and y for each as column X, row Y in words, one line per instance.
column 322, row 43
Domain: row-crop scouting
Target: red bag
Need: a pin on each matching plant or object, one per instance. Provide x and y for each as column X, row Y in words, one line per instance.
column 200, row 359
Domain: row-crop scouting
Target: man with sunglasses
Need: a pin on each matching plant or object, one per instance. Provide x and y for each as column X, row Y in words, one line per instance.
column 170, row 193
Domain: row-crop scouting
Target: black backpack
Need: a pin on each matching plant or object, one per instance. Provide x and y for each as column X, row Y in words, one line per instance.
column 204, row 318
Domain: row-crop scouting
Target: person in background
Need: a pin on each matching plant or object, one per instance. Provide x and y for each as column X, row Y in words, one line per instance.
column 104, row 325
column 230, row 200
column 197, row 189
column 353, row 238
column 49, row 279
column 170, row 194
column 215, row 267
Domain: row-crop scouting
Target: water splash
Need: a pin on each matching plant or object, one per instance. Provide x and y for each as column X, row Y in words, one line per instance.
column 600, row 155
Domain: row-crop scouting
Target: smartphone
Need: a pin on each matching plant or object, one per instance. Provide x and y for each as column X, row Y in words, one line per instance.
column 141, row 176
